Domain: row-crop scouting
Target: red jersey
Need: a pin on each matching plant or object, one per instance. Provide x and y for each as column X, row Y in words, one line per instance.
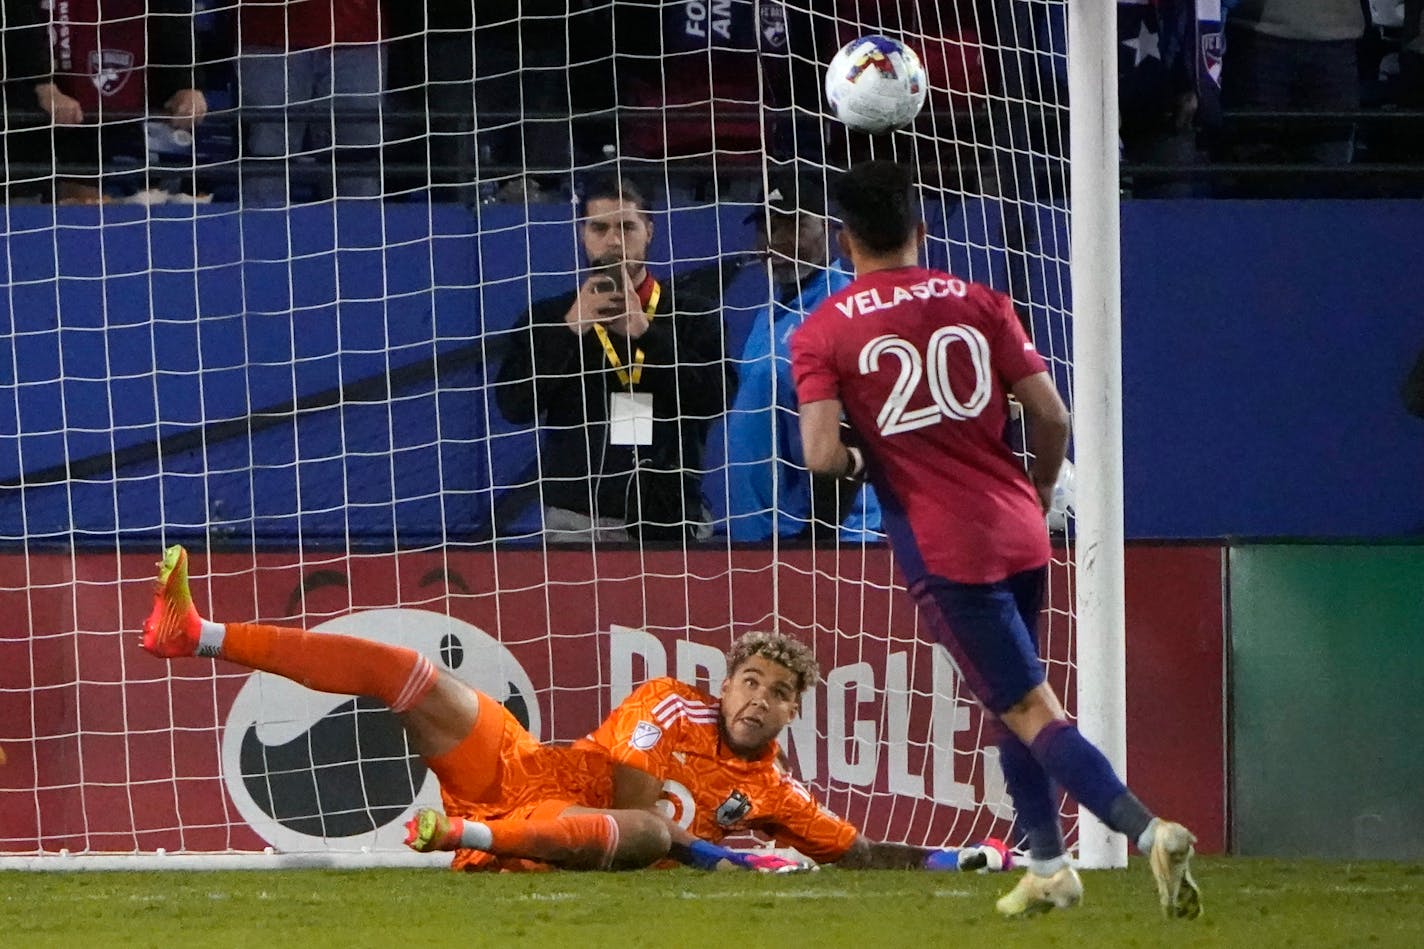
column 100, row 51
column 310, row 24
column 672, row 731
column 922, row 363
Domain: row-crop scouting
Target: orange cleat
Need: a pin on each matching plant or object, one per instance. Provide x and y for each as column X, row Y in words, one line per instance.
column 172, row 629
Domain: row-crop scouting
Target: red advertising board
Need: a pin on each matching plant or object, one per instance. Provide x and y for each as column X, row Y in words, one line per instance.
column 111, row 750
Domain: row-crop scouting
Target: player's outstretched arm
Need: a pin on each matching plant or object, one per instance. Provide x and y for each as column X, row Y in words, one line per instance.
column 866, row 854
column 710, row 856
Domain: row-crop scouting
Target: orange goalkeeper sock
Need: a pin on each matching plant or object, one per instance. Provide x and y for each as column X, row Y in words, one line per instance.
column 587, row 840
column 330, row 662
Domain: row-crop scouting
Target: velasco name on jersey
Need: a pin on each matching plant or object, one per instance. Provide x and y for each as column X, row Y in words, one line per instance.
column 869, row 301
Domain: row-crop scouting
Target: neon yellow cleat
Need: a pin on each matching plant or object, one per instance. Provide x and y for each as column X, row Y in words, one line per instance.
column 1171, row 855
column 429, row 830
column 1036, row 894
column 172, row 628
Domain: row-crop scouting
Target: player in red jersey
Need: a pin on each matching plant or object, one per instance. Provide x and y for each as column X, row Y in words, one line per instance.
column 921, row 364
column 668, row 759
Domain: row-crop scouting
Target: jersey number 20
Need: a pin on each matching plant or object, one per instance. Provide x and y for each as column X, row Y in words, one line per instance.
column 895, row 415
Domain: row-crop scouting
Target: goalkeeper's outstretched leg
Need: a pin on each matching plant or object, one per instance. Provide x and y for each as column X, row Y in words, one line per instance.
column 439, row 712
column 461, row 733
column 578, row 838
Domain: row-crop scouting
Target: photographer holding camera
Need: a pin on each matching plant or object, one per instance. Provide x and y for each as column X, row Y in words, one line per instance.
column 624, row 375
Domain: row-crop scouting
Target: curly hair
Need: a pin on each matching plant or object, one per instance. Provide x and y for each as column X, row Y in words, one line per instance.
column 780, row 649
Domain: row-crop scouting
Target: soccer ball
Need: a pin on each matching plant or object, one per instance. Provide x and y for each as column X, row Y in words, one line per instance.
column 1065, row 499
column 876, row 84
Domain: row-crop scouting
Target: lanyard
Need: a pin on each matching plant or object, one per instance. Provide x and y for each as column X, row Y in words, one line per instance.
column 629, row 377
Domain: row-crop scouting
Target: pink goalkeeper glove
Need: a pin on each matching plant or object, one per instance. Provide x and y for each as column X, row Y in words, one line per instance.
column 770, row 863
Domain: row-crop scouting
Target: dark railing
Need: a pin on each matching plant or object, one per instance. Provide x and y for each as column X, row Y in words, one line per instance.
column 993, row 128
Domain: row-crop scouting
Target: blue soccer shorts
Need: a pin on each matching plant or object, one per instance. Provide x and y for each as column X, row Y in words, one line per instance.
column 990, row 631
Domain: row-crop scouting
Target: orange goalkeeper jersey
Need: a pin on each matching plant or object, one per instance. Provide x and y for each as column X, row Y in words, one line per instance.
column 672, row 731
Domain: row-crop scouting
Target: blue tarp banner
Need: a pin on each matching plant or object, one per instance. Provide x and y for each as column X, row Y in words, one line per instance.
column 318, row 375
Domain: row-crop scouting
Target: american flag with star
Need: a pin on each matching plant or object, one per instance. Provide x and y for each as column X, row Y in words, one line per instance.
column 1166, row 48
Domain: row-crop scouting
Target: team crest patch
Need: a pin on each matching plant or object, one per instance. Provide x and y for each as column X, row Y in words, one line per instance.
column 1213, row 50
column 109, row 69
column 734, row 809
column 773, row 24
column 645, row 736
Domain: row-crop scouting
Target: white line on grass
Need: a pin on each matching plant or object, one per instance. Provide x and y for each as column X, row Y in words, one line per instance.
column 1352, row 889
column 565, row 896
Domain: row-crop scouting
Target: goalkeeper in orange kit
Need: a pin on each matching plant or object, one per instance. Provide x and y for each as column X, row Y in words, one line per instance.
column 668, row 774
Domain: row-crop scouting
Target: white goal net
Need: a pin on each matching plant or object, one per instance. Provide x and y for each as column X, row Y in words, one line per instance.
column 277, row 336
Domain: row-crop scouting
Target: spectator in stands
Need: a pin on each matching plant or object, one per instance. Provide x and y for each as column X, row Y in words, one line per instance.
column 1293, row 56
column 1411, row 56
column 768, row 486
column 1158, row 81
column 529, row 82
column 26, row 72
column 625, row 374
column 704, row 78
column 431, row 81
column 319, row 68
column 510, row 100
column 1391, row 90
column 101, row 70
column 1019, row 142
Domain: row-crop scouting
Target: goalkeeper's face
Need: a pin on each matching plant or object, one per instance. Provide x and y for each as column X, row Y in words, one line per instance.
column 759, row 699
column 616, row 232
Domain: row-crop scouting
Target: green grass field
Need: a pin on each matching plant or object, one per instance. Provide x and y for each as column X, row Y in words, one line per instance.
column 1249, row 903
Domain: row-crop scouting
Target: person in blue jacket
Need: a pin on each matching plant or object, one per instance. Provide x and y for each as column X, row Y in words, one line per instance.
column 768, row 487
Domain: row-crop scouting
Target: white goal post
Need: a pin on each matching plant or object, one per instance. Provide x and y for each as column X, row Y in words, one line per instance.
column 1097, row 401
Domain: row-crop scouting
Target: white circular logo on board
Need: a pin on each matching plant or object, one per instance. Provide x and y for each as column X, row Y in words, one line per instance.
column 312, row 771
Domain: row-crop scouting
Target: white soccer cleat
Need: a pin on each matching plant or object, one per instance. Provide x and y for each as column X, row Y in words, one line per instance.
column 1170, row 856
column 1036, row 894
